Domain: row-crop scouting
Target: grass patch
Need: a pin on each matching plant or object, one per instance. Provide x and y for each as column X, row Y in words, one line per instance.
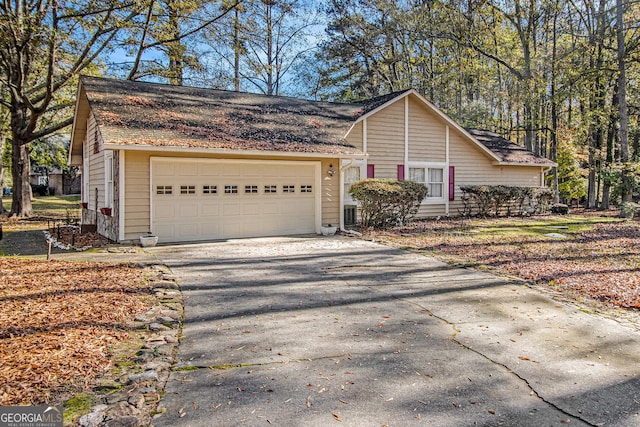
column 186, row 369
column 76, row 407
column 224, row 367
column 51, row 206
column 59, row 208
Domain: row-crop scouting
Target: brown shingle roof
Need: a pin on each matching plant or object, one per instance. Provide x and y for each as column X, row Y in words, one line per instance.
column 159, row 115
column 507, row 151
column 153, row 114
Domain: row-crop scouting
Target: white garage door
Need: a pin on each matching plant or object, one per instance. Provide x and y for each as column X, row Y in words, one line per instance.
column 195, row 199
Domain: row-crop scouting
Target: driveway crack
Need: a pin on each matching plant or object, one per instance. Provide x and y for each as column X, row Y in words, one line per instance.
column 456, row 331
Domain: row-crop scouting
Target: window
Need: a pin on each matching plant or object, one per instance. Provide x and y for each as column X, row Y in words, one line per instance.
column 251, row 189
column 42, row 180
column 433, row 178
column 96, row 142
column 164, row 189
column 209, row 189
column 270, row 189
column 288, row 188
column 230, row 189
column 187, row 189
column 351, row 176
column 109, row 174
column 435, row 182
column 306, row 189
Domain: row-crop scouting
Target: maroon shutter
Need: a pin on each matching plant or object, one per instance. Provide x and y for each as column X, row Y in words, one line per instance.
column 400, row 172
column 452, row 182
column 371, row 171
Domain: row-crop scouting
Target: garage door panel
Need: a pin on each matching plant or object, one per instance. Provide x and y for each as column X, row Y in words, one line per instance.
column 251, row 209
column 185, row 169
column 165, row 170
column 188, row 211
column 187, row 231
column 210, row 229
column 208, row 209
column 231, row 209
column 268, row 199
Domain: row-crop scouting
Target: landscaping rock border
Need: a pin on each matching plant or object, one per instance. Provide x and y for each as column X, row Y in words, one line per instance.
column 131, row 399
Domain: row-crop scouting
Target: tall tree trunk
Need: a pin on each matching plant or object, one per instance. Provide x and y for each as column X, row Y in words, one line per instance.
column 269, row 23
column 175, row 48
column 553, row 148
column 2, row 148
column 623, row 131
column 236, row 50
column 611, row 133
column 20, row 170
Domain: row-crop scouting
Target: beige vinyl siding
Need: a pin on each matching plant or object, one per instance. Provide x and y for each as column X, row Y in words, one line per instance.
column 136, row 194
column 356, row 135
column 473, row 167
column 427, row 134
column 330, row 193
column 137, row 197
column 96, row 166
column 385, row 140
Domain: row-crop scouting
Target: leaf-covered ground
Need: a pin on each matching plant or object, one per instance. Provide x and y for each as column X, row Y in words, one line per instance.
column 598, row 257
column 59, row 322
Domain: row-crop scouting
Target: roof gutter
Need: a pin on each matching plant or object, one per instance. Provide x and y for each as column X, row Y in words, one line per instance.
column 222, row 151
column 537, row 165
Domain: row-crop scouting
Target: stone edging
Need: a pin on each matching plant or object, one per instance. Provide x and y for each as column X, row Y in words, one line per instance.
column 139, row 389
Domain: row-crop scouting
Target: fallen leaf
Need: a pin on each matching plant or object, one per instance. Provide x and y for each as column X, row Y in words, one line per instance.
column 337, row 417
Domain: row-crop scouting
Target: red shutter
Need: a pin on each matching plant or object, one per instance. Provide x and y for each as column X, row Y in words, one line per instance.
column 371, row 171
column 400, row 172
column 452, row 182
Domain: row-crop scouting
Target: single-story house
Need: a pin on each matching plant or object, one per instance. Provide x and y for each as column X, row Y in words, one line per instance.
column 58, row 182
column 193, row 164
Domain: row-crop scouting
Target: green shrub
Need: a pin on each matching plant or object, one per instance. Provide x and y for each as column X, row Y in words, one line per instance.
column 386, row 203
column 560, row 208
column 629, row 209
column 496, row 200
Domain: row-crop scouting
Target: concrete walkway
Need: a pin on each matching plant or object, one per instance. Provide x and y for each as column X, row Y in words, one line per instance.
column 338, row 331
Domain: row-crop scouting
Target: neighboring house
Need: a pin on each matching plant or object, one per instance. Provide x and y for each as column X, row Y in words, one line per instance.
column 197, row 164
column 56, row 180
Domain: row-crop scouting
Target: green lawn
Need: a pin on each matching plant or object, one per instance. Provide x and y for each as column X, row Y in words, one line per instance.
column 63, row 208
column 52, row 206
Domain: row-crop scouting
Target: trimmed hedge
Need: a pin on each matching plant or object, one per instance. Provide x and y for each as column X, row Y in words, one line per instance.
column 497, row 200
column 387, row 203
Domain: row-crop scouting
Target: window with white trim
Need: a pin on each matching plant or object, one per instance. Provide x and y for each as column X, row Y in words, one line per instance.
column 268, row 189
column 230, row 189
column 251, row 189
column 109, row 174
column 351, row 176
column 432, row 177
column 288, row 188
column 306, row 189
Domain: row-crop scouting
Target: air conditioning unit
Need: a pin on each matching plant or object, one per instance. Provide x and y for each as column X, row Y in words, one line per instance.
column 350, row 215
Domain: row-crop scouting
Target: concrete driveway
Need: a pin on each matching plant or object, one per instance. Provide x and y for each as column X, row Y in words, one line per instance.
column 312, row 331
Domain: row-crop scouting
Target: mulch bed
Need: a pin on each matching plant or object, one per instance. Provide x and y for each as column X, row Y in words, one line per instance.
column 59, row 322
column 71, row 236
